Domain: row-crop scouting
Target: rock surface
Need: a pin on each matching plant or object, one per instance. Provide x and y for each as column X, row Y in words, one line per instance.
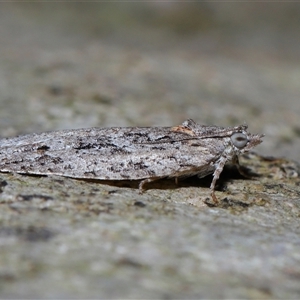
column 86, row 65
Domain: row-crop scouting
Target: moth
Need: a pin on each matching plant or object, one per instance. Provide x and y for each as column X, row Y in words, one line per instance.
column 129, row 153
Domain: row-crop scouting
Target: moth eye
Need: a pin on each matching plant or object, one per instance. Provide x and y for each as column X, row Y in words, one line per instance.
column 239, row 140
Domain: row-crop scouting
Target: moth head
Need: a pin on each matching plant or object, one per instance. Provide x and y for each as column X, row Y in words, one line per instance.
column 244, row 141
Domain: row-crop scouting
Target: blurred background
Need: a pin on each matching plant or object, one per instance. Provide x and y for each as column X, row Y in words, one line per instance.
column 72, row 65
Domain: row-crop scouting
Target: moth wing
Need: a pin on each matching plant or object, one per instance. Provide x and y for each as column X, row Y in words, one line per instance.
column 107, row 154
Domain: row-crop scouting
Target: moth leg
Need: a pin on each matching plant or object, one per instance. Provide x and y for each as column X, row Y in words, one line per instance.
column 238, row 166
column 219, row 168
column 144, row 181
column 214, row 197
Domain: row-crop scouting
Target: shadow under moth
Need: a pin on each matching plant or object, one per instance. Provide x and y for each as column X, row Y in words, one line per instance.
column 129, row 153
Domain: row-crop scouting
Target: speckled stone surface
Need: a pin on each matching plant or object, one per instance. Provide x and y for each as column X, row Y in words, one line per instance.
column 87, row 65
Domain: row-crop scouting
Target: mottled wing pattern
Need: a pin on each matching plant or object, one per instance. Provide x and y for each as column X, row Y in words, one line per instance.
column 111, row 153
